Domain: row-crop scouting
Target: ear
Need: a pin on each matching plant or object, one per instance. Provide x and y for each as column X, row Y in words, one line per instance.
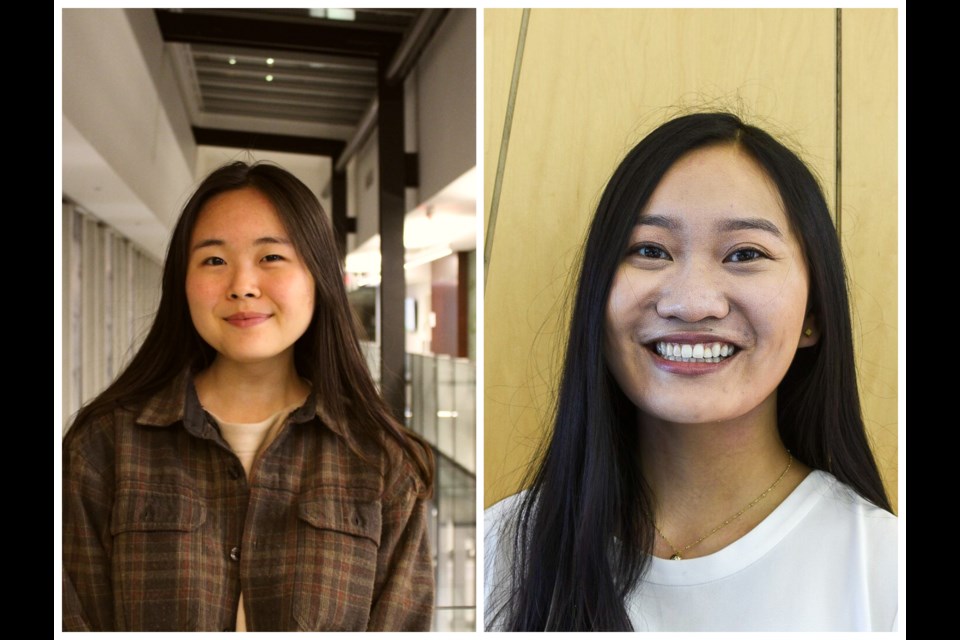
column 810, row 333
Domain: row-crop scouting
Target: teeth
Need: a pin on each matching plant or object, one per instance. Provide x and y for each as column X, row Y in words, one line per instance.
column 704, row 352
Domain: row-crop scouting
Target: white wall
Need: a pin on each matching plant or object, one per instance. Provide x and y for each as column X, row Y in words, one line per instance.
column 313, row 171
column 110, row 98
column 109, row 296
column 446, row 103
column 419, row 288
column 365, row 183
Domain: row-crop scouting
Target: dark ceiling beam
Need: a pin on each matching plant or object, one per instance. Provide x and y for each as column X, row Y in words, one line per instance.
column 416, row 40
column 342, row 39
column 268, row 142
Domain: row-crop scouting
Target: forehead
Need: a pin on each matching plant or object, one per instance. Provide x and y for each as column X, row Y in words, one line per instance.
column 238, row 214
column 714, row 183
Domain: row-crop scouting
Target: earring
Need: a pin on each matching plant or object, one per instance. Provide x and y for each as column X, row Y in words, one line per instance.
column 808, row 332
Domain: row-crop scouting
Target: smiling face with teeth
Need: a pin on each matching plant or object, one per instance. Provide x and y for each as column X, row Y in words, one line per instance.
column 708, row 306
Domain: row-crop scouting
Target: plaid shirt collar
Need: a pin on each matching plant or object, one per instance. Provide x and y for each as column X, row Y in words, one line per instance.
column 179, row 402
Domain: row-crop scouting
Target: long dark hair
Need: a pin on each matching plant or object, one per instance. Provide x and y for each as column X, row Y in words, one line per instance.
column 327, row 354
column 587, row 487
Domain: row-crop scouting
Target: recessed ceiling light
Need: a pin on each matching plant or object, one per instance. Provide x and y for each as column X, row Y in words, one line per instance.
column 269, row 78
column 233, row 61
column 341, row 14
column 269, row 61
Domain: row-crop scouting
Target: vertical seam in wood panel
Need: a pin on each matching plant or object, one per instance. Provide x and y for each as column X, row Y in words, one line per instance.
column 504, row 143
column 837, row 187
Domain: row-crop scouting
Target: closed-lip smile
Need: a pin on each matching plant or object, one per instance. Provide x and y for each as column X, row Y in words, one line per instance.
column 246, row 319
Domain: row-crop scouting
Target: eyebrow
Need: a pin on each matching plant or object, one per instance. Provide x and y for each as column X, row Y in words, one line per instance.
column 671, row 224
column 214, row 242
column 732, row 224
column 760, row 224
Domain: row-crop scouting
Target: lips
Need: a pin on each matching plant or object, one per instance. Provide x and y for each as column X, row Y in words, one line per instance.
column 247, row 319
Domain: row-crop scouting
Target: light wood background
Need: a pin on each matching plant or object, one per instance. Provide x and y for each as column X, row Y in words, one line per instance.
column 592, row 83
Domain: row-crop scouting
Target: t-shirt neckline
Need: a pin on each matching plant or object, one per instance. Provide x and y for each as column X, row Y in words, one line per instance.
column 748, row 549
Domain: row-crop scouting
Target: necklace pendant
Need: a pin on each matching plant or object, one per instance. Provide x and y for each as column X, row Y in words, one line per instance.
column 676, row 556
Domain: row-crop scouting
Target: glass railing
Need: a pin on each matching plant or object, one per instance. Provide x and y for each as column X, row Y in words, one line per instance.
column 441, row 406
column 454, row 541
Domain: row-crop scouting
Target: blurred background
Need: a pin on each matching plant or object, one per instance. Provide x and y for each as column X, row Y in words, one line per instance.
column 567, row 93
column 375, row 111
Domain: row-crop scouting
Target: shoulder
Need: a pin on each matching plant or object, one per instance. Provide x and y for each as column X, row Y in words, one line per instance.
column 107, row 430
column 402, row 479
column 844, row 512
column 368, row 444
column 500, row 527
column 851, row 544
column 501, row 518
column 500, row 523
column 92, row 443
column 829, row 519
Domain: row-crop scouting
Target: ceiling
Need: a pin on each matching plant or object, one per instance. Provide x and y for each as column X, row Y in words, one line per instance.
column 260, row 83
column 309, row 73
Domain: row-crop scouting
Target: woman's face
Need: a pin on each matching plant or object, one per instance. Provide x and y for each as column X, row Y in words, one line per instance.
column 250, row 295
column 707, row 307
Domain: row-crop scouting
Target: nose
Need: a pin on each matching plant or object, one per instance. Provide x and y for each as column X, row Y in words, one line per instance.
column 243, row 284
column 691, row 294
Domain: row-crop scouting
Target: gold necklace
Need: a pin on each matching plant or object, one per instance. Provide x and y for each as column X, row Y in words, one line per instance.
column 678, row 553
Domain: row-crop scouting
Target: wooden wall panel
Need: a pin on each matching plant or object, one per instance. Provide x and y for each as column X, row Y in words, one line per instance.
column 592, row 84
column 868, row 220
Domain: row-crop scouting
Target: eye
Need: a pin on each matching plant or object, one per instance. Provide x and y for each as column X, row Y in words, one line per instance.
column 650, row 252
column 273, row 257
column 214, row 261
column 746, row 254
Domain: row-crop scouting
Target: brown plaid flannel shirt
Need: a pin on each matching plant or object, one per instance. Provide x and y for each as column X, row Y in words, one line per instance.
column 161, row 528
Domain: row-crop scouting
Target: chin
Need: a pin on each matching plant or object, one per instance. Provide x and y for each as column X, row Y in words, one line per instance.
column 251, row 357
column 691, row 415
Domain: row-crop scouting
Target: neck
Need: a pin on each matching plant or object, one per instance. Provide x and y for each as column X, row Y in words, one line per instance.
column 241, row 392
column 703, row 474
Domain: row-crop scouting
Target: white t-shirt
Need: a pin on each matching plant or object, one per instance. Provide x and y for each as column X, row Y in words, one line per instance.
column 824, row 560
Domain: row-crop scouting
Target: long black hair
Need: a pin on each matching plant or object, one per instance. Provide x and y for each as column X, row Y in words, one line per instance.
column 587, row 487
column 327, row 354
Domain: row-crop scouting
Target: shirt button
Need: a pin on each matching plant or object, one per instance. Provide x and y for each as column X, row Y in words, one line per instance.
column 235, row 472
column 235, row 554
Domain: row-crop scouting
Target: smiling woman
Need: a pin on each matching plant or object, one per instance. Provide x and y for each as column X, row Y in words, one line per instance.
column 707, row 469
column 712, row 265
column 250, row 295
column 243, row 472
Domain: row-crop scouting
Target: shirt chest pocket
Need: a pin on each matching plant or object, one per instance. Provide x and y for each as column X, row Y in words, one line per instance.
column 156, row 552
column 337, row 547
